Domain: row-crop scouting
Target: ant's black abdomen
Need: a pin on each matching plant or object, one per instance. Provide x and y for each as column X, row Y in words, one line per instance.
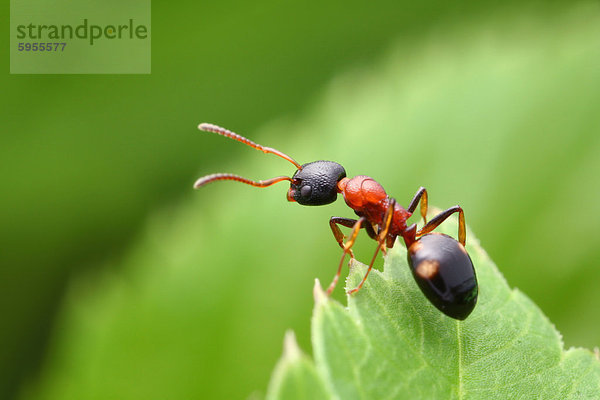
column 444, row 272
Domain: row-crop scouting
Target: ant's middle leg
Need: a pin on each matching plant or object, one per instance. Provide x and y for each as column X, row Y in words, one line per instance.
column 420, row 195
column 441, row 217
column 346, row 246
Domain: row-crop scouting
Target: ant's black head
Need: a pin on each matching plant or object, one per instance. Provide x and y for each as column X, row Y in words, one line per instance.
column 315, row 184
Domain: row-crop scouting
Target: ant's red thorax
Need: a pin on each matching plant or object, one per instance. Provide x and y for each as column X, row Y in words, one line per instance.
column 368, row 198
column 361, row 191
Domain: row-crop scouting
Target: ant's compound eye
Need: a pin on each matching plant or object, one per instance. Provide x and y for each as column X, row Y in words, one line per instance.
column 316, row 183
column 306, row 191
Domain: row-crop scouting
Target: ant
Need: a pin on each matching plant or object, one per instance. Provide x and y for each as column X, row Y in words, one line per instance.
column 440, row 264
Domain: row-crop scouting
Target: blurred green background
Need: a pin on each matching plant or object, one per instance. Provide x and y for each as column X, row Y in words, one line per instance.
column 119, row 281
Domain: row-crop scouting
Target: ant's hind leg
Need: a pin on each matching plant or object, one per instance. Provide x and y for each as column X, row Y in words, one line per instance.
column 441, row 217
column 346, row 246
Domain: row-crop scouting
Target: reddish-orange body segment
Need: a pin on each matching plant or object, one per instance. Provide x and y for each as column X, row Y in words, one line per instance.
column 368, row 198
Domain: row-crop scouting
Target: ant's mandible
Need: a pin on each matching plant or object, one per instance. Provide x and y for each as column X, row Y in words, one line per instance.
column 440, row 264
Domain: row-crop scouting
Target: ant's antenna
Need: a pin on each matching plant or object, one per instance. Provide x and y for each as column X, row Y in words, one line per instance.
column 230, row 177
column 232, row 135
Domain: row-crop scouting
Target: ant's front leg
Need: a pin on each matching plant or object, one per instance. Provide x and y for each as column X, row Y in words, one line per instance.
column 346, row 246
column 441, row 217
column 420, row 195
column 348, row 223
column 381, row 239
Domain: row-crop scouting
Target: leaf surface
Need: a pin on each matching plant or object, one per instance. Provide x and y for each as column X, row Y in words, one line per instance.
column 391, row 343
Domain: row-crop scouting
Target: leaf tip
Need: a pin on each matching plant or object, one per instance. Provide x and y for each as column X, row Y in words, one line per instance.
column 291, row 351
column 319, row 295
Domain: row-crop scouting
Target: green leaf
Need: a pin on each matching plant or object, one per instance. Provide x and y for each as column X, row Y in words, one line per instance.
column 390, row 343
column 295, row 376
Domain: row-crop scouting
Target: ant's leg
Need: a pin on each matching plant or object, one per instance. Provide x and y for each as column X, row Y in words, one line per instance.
column 420, row 195
column 441, row 217
column 337, row 233
column 381, row 238
column 335, row 229
column 371, row 231
column 389, row 243
column 347, row 249
column 348, row 223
